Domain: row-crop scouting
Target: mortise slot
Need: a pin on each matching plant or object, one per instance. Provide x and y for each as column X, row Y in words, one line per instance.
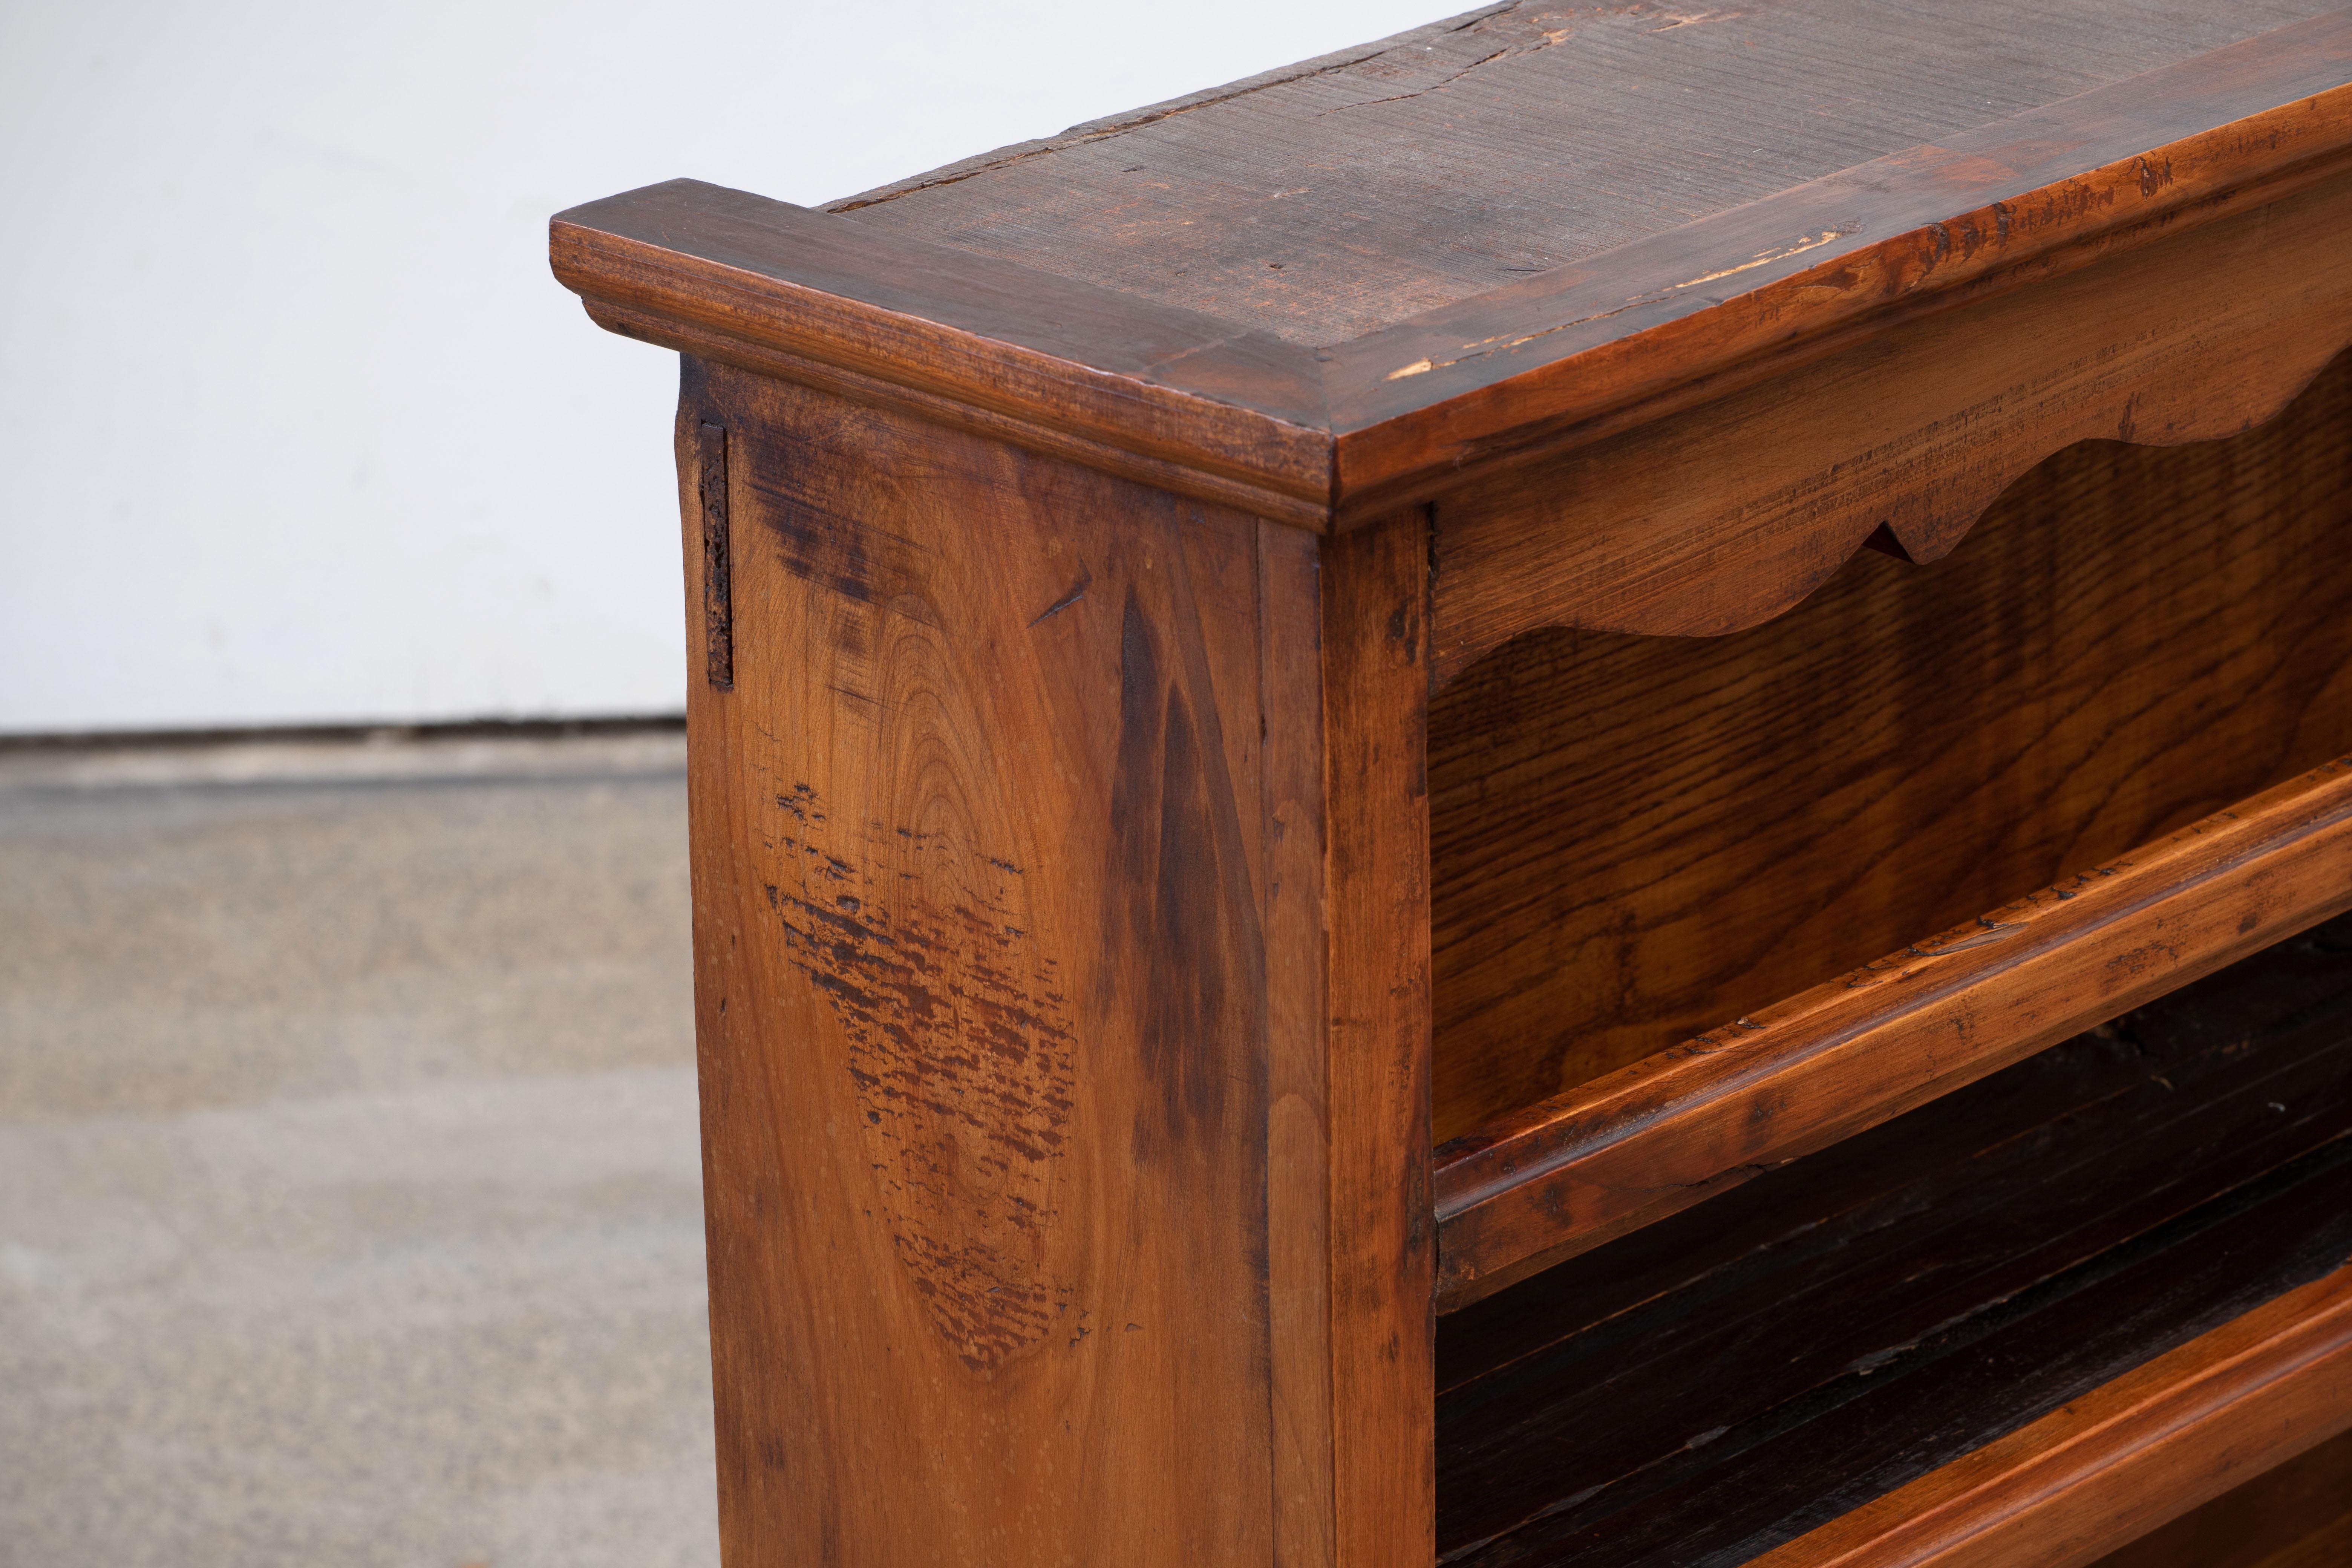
column 717, row 604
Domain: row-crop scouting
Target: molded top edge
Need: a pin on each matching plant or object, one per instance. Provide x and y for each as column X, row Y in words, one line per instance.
column 1388, row 417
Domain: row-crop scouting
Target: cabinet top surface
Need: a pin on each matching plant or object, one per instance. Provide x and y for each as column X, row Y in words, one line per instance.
column 1330, row 199
column 1336, row 288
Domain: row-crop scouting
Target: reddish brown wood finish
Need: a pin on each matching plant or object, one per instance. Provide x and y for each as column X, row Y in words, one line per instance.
column 1225, row 409
column 2298, row 1515
column 1062, row 814
column 1057, row 366
column 1339, row 197
column 2014, row 201
column 984, row 997
column 1011, row 934
column 1652, row 1138
column 1727, row 516
column 1634, row 837
column 2142, row 1450
column 1376, row 687
column 1299, row 1097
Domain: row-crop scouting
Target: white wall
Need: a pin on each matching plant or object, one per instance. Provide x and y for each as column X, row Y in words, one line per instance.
column 294, row 425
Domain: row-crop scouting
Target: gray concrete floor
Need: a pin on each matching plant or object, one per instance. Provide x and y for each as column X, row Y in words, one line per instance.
column 350, row 1205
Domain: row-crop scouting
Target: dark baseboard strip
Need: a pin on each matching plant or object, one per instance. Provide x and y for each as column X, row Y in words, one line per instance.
column 311, row 734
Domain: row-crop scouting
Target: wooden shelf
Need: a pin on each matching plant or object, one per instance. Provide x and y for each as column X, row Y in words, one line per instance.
column 1638, row 1144
column 2124, row 1459
column 1937, row 1290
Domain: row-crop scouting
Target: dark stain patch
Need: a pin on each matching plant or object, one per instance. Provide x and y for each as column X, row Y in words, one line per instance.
column 849, row 556
column 1077, row 590
column 1178, row 889
column 963, row 1062
column 800, row 802
column 1404, row 630
column 1185, row 1018
column 829, row 867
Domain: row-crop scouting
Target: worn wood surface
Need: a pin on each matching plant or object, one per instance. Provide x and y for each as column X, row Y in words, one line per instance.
column 1067, row 861
column 1793, row 1348
column 1568, row 1174
column 1656, row 325
column 1058, row 1083
column 980, row 839
column 1148, row 393
column 1227, row 398
column 2298, row 1515
column 1308, row 1334
column 1332, row 198
column 1637, row 838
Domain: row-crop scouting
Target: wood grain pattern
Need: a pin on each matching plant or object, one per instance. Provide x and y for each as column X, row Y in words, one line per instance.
column 1649, row 1140
column 1853, row 1319
column 2298, row 1515
column 2140, row 1451
column 1637, row 838
column 982, row 1006
column 1051, row 1097
column 1019, row 428
column 1300, row 1234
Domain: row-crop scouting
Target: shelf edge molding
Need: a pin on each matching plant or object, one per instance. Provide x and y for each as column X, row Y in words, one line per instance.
column 2129, row 1455
column 1607, row 1157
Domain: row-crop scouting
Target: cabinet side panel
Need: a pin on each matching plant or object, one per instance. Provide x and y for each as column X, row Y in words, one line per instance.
column 982, row 996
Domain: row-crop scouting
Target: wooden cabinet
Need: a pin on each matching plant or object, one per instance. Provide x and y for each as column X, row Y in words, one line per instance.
column 1574, row 790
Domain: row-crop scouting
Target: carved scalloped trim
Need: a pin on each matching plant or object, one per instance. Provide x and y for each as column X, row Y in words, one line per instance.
column 1736, row 513
column 2172, row 418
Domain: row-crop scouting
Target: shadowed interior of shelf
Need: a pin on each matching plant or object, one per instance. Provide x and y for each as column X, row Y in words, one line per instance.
column 1707, row 1387
column 1634, row 840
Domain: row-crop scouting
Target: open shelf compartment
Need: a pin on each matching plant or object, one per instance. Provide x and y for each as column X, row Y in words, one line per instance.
column 1746, row 1222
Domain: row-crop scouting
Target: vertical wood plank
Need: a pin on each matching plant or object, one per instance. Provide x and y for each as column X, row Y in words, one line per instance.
column 980, row 893
column 718, row 606
column 1298, row 1235
column 1376, row 692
